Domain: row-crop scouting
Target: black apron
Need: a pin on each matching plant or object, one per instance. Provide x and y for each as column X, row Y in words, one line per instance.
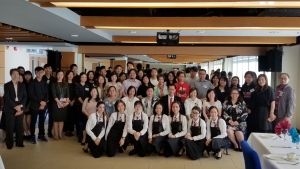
column 114, row 136
column 217, row 143
column 97, row 150
column 194, row 149
column 174, row 143
column 158, row 142
column 139, row 145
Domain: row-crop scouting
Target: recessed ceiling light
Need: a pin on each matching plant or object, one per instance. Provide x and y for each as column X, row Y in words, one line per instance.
column 74, row 35
column 132, row 31
column 271, row 3
column 9, row 38
column 200, row 31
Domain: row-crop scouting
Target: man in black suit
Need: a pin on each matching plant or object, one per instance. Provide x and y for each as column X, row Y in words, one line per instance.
column 167, row 100
column 15, row 97
column 38, row 94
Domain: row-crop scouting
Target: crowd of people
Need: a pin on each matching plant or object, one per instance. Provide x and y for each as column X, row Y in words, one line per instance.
column 169, row 114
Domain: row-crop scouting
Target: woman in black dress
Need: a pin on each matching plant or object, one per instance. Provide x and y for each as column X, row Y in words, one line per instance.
column 171, row 79
column 60, row 92
column 91, row 78
column 27, row 115
column 159, row 128
column 235, row 115
column 15, row 97
column 82, row 91
column 71, row 114
column 116, row 130
column 178, row 127
column 95, row 129
column 216, row 136
column 263, row 105
column 222, row 90
column 248, row 88
column 194, row 140
column 137, row 124
column 141, row 93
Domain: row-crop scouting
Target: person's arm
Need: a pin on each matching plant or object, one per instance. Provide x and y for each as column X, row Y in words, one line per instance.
column 222, row 126
column 78, row 93
column 166, row 125
column 291, row 103
column 204, row 111
column 208, row 133
column 145, row 126
column 272, row 104
column 83, row 109
column 219, row 108
column 31, row 93
column 244, row 114
column 189, row 132
column 125, row 129
column 203, row 131
column 184, row 127
column 111, row 122
column 150, row 127
column 187, row 109
column 129, row 124
column 103, row 128
column 226, row 116
column 23, row 97
column 89, row 126
column 120, row 90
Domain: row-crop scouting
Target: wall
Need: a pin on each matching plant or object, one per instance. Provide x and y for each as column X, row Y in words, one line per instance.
column 167, row 66
column 89, row 63
column 290, row 65
column 2, row 68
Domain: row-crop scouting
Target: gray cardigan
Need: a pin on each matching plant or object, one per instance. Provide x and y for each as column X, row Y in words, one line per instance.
column 287, row 102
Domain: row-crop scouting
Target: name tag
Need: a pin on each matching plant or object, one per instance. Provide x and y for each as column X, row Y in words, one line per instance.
column 61, row 99
column 222, row 91
column 87, row 89
column 239, row 89
column 252, row 90
column 48, row 81
column 204, row 86
column 281, row 93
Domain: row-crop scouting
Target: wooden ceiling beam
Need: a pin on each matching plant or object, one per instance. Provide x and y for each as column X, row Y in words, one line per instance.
column 176, row 50
column 211, row 39
column 191, row 23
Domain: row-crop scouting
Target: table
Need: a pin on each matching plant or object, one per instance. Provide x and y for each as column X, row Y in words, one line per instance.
column 1, row 164
column 263, row 146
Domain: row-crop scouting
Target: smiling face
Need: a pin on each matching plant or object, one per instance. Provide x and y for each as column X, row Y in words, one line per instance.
column 94, row 93
column 202, row 75
column 146, row 80
column 261, row 81
column 101, row 108
column 234, row 94
column 175, row 108
column 193, row 94
column 131, row 92
column 83, row 78
column 211, row 95
column 150, row 92
column 60, row 76
column 248, row 79
column 15, row 76
column 222, row 82
column 158, row 109
column 112, row 92
column 121, row 107
column 213, row 113
column 138, row 108
column 195, row 114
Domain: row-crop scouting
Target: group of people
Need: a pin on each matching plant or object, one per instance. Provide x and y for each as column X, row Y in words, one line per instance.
column 166, row 114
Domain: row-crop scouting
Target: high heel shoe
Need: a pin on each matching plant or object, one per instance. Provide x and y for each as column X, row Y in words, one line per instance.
column 208, row 153
column 179, row 155
column 218, row 158
column 85, row 150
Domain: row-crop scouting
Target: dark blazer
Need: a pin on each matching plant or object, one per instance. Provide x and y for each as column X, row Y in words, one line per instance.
column 10, row 96
column 165, row 101
column 37, row 92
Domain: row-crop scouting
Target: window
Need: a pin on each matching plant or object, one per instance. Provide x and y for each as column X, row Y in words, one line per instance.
column 218, row 64
column 204, row 66
column 242, row 64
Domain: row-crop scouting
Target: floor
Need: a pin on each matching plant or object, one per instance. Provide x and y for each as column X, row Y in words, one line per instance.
column 68, row 154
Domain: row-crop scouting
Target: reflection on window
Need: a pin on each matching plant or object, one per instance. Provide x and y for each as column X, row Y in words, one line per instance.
column 242, row 64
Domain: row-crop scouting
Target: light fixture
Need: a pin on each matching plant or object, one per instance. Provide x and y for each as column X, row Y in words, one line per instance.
column 273, row 32
column 200, row 31
column 9, row 38
column 133, row 32
column 75, row 36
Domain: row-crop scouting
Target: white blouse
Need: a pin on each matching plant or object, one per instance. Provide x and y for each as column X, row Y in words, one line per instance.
column 91, row 123
column 222, row 126
column 203, row 128
column 129, row 123
column 184, row 125
column 154, row 82
column 165, row 124
column 189, row 104
column 111, row 122
column 129, row 105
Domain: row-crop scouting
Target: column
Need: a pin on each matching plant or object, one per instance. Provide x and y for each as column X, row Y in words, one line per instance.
column 2, row 69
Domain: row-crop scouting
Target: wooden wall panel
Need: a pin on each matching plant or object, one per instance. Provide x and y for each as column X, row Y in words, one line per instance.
column 67, row 60
column 2, row 66
column 2, row 75
column 119, row 62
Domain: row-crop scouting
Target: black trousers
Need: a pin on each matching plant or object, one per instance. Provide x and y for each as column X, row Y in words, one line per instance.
column 14, row 124
column 34, row 114
column 50, row 115
column 96, row 150
column 71, row 117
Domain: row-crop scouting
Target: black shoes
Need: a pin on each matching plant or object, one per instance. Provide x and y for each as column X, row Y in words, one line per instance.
column 69, row 134
column 120, row 150
column 85, row 150
column 179, row 155
column 22, row 145
column 50, row 135
column 132, row 152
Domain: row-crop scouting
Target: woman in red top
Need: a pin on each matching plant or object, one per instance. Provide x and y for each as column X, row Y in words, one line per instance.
column 182, row 88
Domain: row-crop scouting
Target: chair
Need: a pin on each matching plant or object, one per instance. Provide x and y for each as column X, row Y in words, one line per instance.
column 251, row 157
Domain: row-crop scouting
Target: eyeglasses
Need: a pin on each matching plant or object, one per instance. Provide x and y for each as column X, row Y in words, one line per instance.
column 235, row 93
column 195, row 113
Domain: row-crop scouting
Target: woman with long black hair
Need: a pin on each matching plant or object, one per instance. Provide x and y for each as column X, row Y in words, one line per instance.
column 159, row 128
column 71, row 115
column 178, row 127
column 27, row 114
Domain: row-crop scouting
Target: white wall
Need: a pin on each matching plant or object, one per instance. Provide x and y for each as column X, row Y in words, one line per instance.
column 290, row 65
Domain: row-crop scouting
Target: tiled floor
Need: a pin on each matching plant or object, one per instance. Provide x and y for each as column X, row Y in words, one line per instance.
column 67, row 154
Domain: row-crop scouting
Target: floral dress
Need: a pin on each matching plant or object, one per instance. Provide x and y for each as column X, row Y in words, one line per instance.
column 236, row 112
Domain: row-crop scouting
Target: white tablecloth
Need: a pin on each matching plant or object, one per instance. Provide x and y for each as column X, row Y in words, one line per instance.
column 264, row 146
column 273, row 164
column 1, row 164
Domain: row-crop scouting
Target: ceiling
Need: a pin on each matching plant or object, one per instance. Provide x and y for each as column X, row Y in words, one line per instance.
column 131, row 22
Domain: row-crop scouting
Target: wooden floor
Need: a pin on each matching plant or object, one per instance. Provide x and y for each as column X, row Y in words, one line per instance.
column 68, row 154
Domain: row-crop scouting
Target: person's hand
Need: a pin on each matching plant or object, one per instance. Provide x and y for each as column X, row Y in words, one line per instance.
column 236, row 123
column 172, row 136
column 155, row 135
column 72, row 103
column 97, row 141
column 60, row 105
column 207, row 142
column 137, row 135
column 19, row 113
column 272, row 116
column 249, row 111
column 18, row 108
column 41, row 107
column 121, row 143
column 65, row 104
column 231, row 122
column 42, row 103
column 150, row 141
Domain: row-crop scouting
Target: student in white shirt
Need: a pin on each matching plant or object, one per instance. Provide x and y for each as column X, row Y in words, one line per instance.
column 149, row 101
column 116, row 131
column 211, row 100
column 178, row 127
column 95, row 129
column 159, row 128
column 130, row 99
column 153, row 78
column 194, row 140
column 191, row 102
column 137, row 124
column 216, row 136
